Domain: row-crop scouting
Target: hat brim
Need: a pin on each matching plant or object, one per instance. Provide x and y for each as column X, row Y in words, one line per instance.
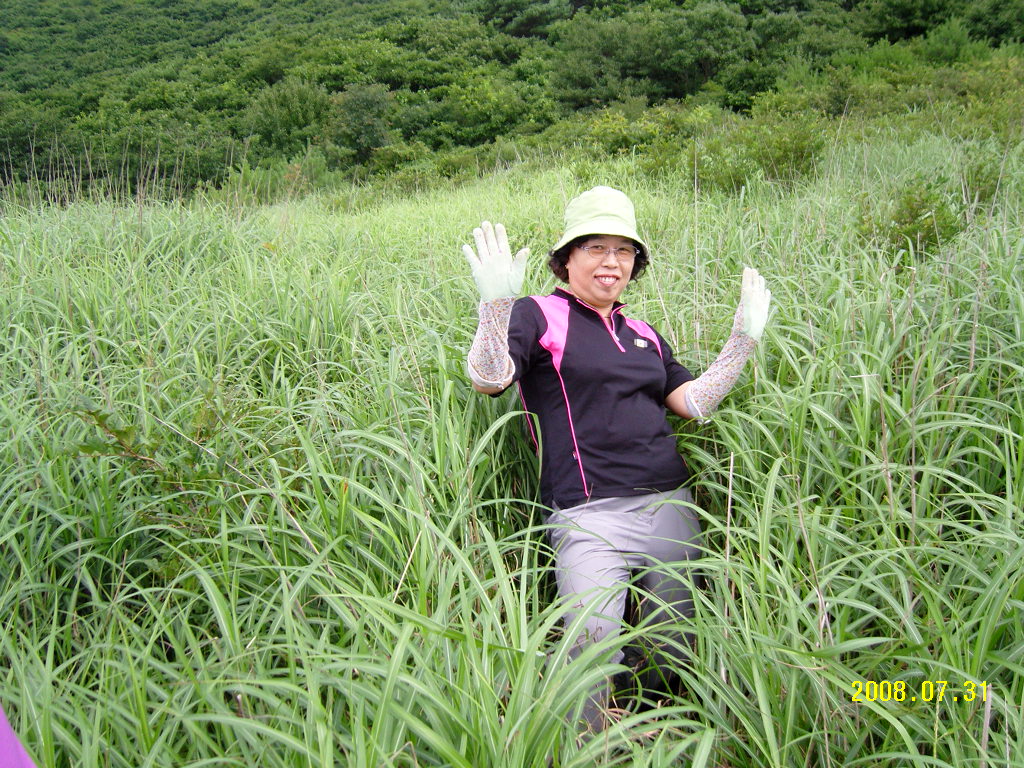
column 608, row 225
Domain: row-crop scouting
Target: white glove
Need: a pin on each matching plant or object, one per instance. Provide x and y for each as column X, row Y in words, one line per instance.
column 496, row 272
column 754, row 299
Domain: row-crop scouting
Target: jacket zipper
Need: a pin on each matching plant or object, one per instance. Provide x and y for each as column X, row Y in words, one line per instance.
column 606, row 322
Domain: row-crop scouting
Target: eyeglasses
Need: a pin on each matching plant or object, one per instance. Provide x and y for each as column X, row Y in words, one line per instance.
column 623, row 253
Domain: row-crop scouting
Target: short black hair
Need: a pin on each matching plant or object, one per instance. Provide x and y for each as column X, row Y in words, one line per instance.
column 558, row 259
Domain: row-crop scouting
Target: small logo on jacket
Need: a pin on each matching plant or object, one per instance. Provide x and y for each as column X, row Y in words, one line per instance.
column 642, row 343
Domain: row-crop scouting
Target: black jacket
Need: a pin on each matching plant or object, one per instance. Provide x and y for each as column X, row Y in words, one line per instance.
column 598, row 395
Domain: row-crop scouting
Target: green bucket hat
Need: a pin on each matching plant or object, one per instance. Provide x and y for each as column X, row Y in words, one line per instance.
column 600, row 211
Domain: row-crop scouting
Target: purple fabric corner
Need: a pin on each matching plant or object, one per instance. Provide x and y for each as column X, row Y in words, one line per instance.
column 12, row 754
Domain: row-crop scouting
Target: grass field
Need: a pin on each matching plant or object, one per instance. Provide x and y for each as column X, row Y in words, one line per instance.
column 251, row 513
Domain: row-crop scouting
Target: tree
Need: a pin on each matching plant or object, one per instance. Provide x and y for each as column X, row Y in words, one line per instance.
column 286, row 116
column 699, row 43
column 598, row 60
column 523, row 18
column 996, row 21
column 654, row 53
column 894, row 20
column 360, row 120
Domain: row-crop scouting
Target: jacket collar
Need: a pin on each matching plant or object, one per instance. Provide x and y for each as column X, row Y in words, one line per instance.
column 572, row 298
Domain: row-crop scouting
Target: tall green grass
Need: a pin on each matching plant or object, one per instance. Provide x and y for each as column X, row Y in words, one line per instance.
column 252, row 514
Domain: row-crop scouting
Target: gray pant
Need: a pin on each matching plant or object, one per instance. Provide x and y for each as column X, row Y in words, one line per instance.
column 599, row 543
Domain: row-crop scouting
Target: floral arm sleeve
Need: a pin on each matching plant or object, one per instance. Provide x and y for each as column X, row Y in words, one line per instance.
column 489, row 363
column 706, row 391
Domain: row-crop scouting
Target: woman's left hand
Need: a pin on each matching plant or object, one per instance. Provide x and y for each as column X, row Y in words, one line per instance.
column 755, row 299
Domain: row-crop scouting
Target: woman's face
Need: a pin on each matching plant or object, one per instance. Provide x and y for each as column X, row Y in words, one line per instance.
column 599, row 279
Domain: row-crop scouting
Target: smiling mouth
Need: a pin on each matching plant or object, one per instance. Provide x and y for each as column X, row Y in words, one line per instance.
column 607, row 280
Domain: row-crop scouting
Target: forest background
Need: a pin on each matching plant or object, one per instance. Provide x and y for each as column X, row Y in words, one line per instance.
column 286, row 96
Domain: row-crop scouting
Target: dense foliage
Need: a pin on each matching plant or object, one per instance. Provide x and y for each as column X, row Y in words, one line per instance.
column 252, row 513
column 162, row 93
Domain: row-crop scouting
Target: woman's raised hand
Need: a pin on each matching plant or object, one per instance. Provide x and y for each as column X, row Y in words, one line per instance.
column 755, row 299
column 497, row 273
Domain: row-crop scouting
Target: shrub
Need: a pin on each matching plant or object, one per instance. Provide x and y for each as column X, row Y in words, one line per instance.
column 901, row 19
column 920, row 216
column 665, row 53
column 391, row 157
column 484, row 105
column 286, row 116
column 360, row 121
column 981, row 173
column 771, row 146
column 628, row 127
column 522, row 17
column 272, row 180
column 996, row 21
column 949, row 43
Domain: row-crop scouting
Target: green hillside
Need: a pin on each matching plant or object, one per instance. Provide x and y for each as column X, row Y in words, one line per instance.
column 177, row 94
column 45, row 43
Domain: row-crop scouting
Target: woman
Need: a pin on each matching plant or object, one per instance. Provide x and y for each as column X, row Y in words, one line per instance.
column 598, row 384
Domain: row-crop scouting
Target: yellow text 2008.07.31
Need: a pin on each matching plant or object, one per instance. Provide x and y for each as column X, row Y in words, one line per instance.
column 922, row 690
